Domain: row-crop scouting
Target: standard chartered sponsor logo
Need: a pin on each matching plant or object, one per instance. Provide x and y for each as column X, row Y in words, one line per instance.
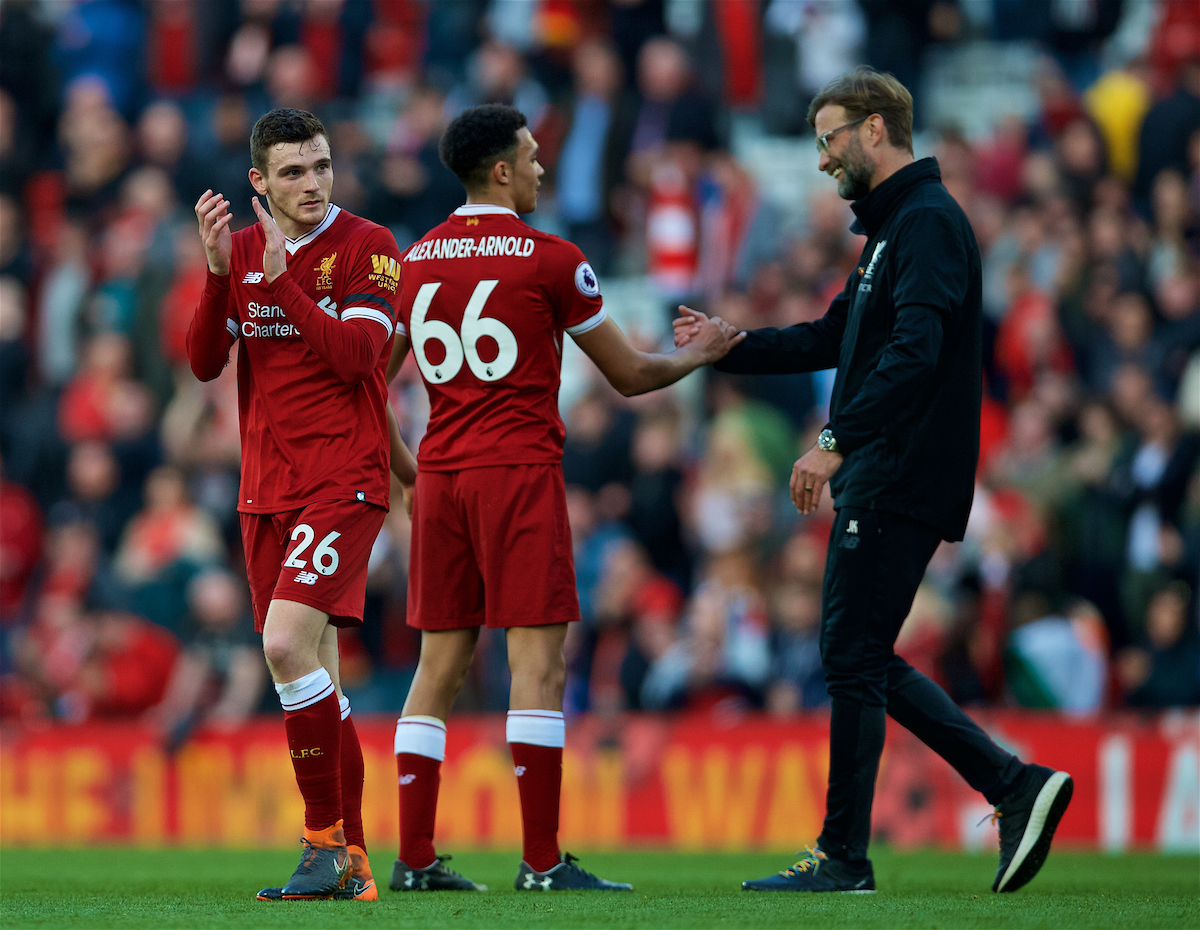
column 466, row 247
column 278, row 329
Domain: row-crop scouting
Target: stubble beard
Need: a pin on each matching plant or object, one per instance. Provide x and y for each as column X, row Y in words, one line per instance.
column 857, row 171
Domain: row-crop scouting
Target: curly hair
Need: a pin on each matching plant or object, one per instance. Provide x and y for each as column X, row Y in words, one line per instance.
column 478, row 138
column 864, row 91
column 281, row 125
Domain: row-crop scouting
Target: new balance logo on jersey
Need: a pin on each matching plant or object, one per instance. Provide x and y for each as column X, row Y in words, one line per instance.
column 306, row 578
column 407, row 780
column 252, row 277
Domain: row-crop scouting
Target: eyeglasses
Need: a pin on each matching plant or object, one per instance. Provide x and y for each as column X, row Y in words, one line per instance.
column 823, row 138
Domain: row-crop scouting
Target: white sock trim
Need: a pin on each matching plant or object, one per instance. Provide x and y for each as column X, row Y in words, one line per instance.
column 537, row 728
column 421, row 736
column 344, row 704
column 305, row 691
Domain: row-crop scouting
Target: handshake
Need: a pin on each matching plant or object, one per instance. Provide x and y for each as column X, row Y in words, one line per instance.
column 713, row 338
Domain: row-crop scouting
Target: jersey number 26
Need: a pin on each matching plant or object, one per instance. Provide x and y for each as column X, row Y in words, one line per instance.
column 474, row 327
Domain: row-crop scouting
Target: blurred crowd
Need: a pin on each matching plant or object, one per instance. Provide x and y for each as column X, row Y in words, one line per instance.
column 122, row 589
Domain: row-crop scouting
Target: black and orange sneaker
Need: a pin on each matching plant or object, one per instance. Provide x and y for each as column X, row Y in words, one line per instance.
column 359, row 886
column 322, row 872
column 360, row 883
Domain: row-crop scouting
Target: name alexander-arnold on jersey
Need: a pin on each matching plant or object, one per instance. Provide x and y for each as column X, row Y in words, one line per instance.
column 467, row 247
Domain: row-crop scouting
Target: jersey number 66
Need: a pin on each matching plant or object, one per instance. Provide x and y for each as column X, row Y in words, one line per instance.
column 474, row 327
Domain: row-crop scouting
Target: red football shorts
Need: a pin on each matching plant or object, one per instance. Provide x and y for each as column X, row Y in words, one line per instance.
column 491, row 546
column 316, row 555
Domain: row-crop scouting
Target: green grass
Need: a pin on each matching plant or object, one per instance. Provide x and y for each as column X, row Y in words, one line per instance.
column 206, row 888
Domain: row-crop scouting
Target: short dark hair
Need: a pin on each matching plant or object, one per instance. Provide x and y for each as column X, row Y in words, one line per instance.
column 282, row 124
column 864, row 91
column 478, row 138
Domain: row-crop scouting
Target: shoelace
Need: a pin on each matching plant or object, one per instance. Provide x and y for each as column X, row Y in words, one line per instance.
column 443, row 860
column 811, row 860
column 570, row 861
column 994, row 817
column 309, row 858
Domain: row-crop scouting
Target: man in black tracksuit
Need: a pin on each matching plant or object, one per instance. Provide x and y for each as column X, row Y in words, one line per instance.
column 899, row 454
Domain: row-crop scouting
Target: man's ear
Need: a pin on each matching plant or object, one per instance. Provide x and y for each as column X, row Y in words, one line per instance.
column 878, row 129
column 502, row 173
column 258, row 182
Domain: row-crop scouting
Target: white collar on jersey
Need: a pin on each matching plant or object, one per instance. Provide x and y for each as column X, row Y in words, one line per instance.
column 481, row 209
column 294, row 245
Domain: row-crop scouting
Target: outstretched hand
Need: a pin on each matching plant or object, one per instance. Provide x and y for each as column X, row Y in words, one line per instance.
column 275, row 253
column 686, row 325
column 712, row 338
column 212, row 210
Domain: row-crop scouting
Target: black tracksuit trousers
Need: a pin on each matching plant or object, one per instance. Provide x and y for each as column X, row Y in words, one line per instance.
column 876, row 561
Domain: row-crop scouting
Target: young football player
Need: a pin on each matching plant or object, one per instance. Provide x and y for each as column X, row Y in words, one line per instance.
column 309, row 292
column 485, row 300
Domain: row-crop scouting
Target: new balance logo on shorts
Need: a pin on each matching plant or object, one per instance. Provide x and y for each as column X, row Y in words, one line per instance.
column 252, row 277
column 407, row 779
column 306, row 578
column 520, row 770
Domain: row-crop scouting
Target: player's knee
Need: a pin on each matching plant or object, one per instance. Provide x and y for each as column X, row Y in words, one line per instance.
column 547, row 674
column 283, row 656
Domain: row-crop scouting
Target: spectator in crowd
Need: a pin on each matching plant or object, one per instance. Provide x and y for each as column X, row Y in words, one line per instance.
column 1086, row 212
column 723, row 656
column 1166, row 132
column 163, row 547
column 1164, row 670
column 794, row 608
column 638, row 611
column 20, row 547
column 218, row 678
column 587, row 169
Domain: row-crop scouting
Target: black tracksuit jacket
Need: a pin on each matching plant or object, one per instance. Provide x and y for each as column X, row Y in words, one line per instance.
column 905, row 337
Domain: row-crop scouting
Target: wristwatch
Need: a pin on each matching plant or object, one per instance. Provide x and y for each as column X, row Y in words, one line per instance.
column 826, row 442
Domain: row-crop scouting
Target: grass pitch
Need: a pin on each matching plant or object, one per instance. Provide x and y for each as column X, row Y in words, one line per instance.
column 210, row 888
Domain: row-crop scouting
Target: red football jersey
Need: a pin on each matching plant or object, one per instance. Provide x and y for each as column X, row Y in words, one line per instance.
column 485, row 299
column 311, row 384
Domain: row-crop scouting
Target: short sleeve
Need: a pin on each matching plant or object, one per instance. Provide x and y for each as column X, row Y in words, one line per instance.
column 373, row 282
column 573, row 287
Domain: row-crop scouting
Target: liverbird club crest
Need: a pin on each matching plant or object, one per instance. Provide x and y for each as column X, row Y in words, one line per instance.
column 325, row 279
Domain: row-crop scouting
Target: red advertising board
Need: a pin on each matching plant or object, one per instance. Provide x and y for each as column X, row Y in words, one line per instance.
column 685, row 783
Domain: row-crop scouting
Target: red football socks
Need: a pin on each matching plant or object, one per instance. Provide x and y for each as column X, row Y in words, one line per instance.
column 420, row 749
column 313, row 722
column 536, row 739
column 352, row 773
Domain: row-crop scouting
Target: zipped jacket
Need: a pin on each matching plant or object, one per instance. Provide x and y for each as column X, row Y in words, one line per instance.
column 905, row 335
